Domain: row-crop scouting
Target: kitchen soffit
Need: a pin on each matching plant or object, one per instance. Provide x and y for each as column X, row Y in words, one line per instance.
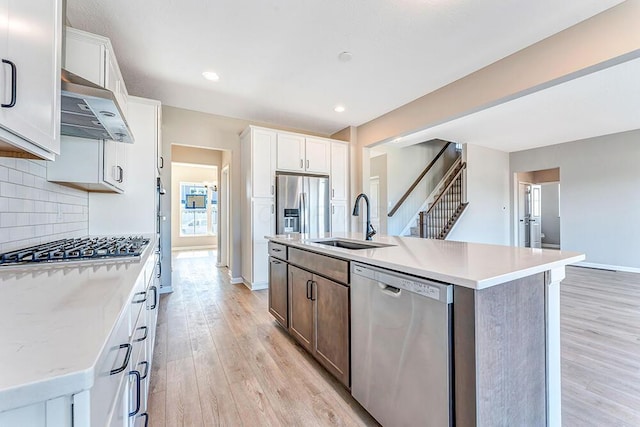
column 278, row 61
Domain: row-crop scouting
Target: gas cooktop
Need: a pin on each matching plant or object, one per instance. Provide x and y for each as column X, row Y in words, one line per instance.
column 80, row 249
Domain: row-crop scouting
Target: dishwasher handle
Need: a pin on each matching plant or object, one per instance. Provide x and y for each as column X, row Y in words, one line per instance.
column 390, row 290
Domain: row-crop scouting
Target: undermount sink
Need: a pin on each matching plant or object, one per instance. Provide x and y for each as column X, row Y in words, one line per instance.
column 350, row 244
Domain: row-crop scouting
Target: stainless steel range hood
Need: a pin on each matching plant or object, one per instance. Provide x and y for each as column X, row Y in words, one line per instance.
column 91, row 111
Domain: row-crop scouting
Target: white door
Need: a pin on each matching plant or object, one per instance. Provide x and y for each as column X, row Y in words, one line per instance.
column 339, row 171
column 535, row 221
column 339, row 216
column 523, row 222
column 290, row 153
column 374, row 198
column 224, row 217
column 317, row 155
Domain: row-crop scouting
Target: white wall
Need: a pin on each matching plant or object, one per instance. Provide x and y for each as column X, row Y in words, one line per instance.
column 550, row 213
column 33, row 210
column 486, row 219
column 599, row 204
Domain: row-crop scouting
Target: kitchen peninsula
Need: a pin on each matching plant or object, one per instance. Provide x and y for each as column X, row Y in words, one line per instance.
column 501, row 351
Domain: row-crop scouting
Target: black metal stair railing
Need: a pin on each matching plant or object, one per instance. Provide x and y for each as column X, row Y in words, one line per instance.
column 438, row 220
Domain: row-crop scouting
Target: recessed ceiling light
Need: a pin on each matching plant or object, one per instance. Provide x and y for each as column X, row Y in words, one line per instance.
column 396, row 141
column 345, row 56
column 210, row 75
column 339, row 108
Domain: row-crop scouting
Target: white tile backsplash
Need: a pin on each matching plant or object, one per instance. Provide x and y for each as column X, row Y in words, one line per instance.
column 33, row 210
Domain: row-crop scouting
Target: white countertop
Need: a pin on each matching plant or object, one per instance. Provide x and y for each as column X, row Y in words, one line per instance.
column 472, row 265
column 55, row 320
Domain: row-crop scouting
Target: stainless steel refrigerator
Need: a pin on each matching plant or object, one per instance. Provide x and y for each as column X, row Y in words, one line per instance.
column 302, row 204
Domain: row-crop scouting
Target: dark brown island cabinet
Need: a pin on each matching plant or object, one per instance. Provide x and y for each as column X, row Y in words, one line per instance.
column 309, row 296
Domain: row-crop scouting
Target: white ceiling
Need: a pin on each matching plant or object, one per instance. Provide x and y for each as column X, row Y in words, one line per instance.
column 278, row 59
column 600, row 103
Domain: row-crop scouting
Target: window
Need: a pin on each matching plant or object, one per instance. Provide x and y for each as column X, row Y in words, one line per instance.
column 198, row 209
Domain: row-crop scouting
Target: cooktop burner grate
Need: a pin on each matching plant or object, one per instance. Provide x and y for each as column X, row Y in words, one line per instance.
column 86, row 248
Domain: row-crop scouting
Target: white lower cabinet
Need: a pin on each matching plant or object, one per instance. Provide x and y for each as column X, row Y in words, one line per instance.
column 119, row 394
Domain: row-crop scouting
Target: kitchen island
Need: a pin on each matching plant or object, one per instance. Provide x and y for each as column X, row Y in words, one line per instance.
column 504, row 364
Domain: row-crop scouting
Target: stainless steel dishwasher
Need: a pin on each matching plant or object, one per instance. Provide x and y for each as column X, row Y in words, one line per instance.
column 401, row 347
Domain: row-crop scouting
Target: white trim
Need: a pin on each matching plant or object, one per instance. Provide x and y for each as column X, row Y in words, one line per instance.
column 607, row 267
column 552, row 332
column 256, row 286
column 166, row 289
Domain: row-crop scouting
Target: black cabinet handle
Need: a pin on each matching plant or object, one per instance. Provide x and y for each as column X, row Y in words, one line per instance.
column 14, row 84
column 161, row 162
column 276, row 249
column 137, row 375
column 275, row 262
column 120, row 174
column 146, row 418
column 155, row 297
column 139, row 301
column 308, row 289
column 312, row 286
column 146, row 333
column 146, row 369
column 159, row 270
column 127, row 356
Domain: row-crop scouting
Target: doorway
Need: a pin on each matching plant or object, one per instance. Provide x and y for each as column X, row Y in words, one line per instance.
column 537, row 219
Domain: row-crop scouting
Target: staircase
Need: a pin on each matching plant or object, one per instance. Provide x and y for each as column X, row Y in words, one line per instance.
column 446, row 206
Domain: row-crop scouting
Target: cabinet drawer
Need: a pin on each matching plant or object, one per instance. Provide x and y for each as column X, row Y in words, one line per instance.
column 277, row 250
column 333, row 268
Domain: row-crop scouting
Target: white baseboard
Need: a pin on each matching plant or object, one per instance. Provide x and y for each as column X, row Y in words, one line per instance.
column 256, row 286
column 550, row 246
column 607, row 267
column 234, row 280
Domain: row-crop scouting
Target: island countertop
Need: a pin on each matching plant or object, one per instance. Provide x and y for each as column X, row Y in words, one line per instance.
column 472, row 265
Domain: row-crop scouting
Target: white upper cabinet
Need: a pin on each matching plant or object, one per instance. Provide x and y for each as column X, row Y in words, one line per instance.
column 339, row 171
column 297, row 153
column 91, row 57
column 290, row 152
column 318, row 155
column 30, row 49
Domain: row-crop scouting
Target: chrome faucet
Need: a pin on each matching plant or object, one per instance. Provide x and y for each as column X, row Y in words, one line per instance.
column 356, row 212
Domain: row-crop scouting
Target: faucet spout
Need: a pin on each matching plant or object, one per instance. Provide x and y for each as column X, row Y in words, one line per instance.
column 356, row 212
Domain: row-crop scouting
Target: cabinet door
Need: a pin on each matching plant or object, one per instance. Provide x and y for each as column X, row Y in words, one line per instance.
column 110, row 159
column 32, row 45
column 263, row 213
column 278, row 292
column 301, row 307
column 263, row 148
column 339, row 171
column 114, row 82
column 332, row 326
column 290, row 153
column 339, row 216
column 318, row 155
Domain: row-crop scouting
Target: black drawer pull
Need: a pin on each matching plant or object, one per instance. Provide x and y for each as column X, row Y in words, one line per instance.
column 146, row 369
column 276, row 262
column 127, row 356
column 146, row 418
column 155, row 297
column 144, row 337
column 276, row 250
column 14, row 84
column 139, row 301
column 308, row 289
column 137, row 375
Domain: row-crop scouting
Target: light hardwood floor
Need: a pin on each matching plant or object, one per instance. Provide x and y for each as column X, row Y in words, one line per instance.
column 220, row 358
column 600, row 333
